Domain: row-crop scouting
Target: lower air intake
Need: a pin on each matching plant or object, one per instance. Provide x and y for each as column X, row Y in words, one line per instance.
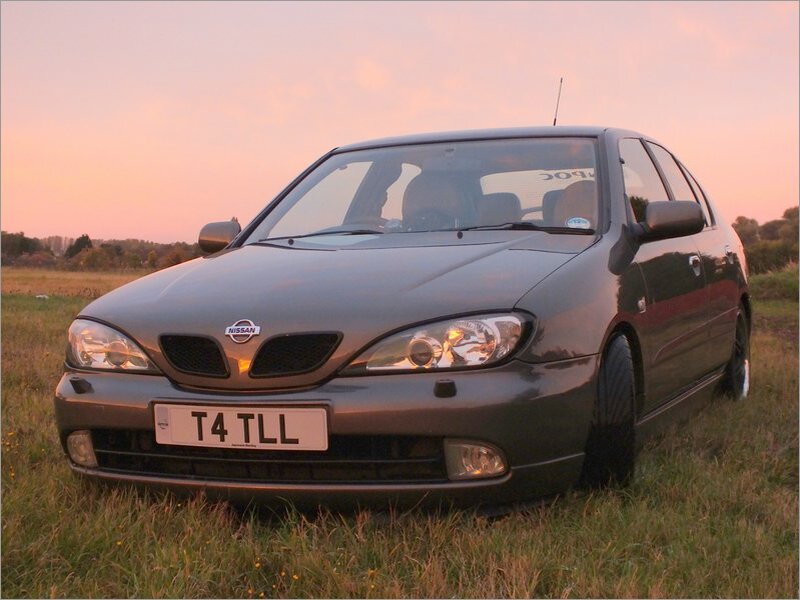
column 354, row 459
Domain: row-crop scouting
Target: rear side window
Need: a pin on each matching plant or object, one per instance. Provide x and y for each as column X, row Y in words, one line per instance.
column 642, row 183
column 701, row 197
column 675, row 178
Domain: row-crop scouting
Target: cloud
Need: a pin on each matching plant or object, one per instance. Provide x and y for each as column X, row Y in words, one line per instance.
column 372, row 76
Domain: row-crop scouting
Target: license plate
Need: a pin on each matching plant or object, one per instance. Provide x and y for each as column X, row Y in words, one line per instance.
column 242, row 427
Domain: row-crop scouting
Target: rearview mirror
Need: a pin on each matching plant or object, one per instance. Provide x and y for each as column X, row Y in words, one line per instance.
column 672, row 219
column 215, row 236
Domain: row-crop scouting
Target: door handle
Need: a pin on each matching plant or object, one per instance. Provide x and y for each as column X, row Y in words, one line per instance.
column 695, row 263
column 729, row 253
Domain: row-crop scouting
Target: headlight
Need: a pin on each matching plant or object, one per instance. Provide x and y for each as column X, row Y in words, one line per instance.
column 96, row 346
column 453, row 344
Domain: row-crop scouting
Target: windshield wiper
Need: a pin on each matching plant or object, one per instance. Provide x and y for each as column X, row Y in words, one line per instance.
column 528, row 226
column 318, row 233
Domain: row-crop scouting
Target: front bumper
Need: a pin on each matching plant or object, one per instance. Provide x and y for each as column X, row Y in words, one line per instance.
column 537, row 414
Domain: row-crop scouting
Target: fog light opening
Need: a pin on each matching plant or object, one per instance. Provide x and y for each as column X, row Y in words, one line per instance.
column 80, row 448
column 472, row 460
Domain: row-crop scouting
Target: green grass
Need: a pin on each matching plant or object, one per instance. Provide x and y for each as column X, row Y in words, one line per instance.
column 713, row 510
column 776, row 285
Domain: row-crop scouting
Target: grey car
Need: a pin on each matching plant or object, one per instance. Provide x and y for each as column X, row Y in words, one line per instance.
column 472, row 317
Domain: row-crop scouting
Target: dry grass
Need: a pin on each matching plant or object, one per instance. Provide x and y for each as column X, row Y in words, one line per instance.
column 713, row 511
column 86, row 284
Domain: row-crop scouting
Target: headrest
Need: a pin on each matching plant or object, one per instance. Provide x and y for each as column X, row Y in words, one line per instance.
column 549, row 201
column 577, row 200
column 499, row 208
column 432, row 201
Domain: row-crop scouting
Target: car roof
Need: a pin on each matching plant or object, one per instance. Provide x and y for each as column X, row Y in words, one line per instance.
column 489, row 134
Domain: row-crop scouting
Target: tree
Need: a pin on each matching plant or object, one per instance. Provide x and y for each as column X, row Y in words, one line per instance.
column 790, row 230
column 769, row 255
column 39, row 259
column 131, row 260
column 747, row 230
column 115, row 248
column 78, row 245
column 771, row 230
column 97, row 259
column 16, row 244
column 175, row 256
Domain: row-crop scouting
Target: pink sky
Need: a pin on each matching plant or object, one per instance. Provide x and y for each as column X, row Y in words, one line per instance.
column 147, row 120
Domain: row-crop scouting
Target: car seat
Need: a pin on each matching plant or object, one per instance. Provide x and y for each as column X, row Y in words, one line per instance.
column 432, row 201
column 577, row 200
column 499, row 208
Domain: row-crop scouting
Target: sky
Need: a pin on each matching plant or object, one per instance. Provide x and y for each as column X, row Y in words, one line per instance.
column 147, row 120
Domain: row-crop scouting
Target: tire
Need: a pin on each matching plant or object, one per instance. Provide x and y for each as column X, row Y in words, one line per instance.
column 611, row 445
column 736, row 380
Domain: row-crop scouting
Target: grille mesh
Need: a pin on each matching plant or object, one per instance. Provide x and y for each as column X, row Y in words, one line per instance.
column 293, row 354
column 194, row 354
column 359, row 459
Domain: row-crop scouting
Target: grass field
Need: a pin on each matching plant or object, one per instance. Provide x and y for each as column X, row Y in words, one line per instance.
column 713, row 511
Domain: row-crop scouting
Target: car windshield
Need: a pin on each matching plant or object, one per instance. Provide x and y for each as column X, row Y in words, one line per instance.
column 533, row 183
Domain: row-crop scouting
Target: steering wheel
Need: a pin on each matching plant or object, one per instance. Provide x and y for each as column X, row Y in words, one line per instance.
column 367, row 223
column 430, row 219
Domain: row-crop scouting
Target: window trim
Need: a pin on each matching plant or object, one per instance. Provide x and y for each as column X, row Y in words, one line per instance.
column 670, row 194
column 688, row 174
column 684, row 171
column 628, row 206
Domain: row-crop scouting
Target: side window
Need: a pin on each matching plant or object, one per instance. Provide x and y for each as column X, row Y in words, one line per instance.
column 675, row 178
column 701, row 197
column 642, row 183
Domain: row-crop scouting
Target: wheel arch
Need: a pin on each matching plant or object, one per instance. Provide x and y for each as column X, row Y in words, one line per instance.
column 629, row 331
column 748, row 311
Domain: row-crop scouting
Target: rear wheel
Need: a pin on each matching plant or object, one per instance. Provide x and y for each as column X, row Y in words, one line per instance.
column 611, row 448
column 736, row 381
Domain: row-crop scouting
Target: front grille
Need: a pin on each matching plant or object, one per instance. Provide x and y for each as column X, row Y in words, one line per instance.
column 194, row 354
column 293, row 354
column 349, row 459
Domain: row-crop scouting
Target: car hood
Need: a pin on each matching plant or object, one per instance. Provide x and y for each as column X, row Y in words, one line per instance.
column 361, row 290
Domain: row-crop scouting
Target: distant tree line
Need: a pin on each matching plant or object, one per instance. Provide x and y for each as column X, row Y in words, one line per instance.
column 82, row 253
column 772, row 245
column 767, row 247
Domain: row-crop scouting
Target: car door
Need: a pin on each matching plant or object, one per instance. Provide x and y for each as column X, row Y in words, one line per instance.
column 674, row 310
column 722, row 277
column 718, row 264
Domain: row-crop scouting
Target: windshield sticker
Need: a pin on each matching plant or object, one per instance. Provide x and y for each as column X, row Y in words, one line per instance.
column 578, row 223
column 579, row 174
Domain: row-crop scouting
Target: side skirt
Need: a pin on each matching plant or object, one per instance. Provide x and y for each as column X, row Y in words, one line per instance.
column 677, row 410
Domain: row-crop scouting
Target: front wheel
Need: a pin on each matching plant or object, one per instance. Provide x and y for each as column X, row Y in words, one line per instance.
column 611, row 446
column 736, row 380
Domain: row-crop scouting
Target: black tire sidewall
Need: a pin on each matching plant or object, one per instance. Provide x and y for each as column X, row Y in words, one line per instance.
column 610, row 447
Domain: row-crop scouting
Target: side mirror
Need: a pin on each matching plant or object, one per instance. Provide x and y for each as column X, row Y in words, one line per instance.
column 215, row 236
column 665, row 220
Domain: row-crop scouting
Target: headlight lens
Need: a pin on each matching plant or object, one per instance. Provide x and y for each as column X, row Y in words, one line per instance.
column 453, row 344
column 96, row 346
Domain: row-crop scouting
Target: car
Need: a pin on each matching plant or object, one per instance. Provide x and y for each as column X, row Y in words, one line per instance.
column 476, row 317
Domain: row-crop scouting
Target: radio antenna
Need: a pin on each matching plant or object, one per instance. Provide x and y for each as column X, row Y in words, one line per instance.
column 555, row 117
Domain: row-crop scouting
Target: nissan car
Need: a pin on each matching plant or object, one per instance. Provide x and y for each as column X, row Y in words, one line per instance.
column 474, row 317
